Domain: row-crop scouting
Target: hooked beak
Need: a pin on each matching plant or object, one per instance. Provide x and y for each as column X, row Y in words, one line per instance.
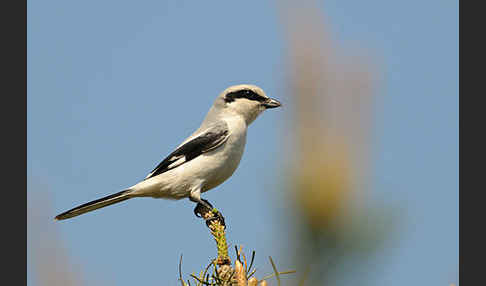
column 271, row 103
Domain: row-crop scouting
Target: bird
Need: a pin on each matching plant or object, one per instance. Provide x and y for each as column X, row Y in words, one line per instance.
column 204, row 160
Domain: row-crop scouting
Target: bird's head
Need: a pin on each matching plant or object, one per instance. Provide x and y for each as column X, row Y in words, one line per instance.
column 245, row 100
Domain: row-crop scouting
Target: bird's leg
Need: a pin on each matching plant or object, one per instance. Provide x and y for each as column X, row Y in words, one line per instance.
column 203, row 206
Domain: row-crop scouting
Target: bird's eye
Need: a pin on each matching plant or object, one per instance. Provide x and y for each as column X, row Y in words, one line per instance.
column 228, row 98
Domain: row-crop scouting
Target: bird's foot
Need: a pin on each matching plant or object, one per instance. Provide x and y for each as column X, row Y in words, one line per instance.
column 217, row 216
column 202, row 208
column 205, row 210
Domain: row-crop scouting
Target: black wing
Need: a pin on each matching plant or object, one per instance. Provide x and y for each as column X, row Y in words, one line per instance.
column 204, row 142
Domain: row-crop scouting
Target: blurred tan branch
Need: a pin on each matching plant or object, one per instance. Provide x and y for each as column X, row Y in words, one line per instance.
column 51, row 264
column 332, row 89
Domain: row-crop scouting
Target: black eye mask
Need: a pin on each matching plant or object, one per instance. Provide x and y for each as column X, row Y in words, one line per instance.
column 245, row 93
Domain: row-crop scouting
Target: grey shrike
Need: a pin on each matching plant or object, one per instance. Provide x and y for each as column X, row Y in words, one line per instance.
column 205, row 159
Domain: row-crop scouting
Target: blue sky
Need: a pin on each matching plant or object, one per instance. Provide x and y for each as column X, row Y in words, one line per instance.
column 113, row 86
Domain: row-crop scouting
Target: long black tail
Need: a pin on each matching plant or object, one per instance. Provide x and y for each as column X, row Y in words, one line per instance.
column 96, row 204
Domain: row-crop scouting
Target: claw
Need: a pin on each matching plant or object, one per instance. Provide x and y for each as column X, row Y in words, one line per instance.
column 200, row 209
column 204, row 207
column 197, row 211
column 218, row 217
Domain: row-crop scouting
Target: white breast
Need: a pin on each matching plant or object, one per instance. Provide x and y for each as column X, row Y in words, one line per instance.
column 226, row 159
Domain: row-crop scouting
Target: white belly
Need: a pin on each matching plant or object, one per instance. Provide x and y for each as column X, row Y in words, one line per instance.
column 204, row 172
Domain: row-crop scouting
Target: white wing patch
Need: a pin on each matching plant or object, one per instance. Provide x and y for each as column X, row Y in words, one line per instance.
column 178, row 162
